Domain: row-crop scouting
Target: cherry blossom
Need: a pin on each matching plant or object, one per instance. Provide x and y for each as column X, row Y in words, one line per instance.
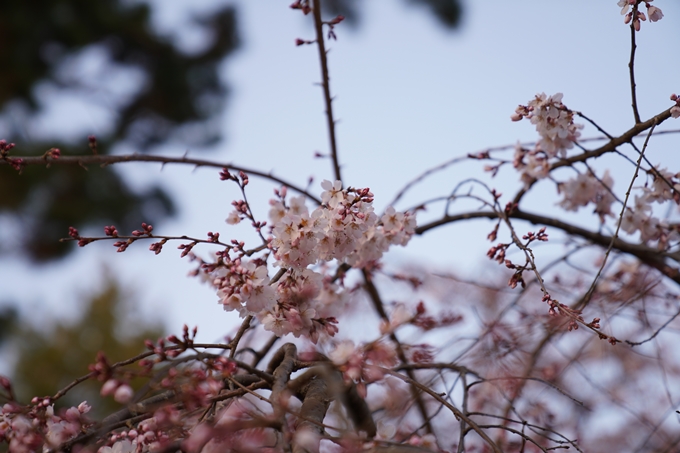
column 654, row 13
column 532, row 164
column 554, row 123
column 123, row 394
column 314, row 262
column 332, row 194
column 122, row 446
column 625, row 5
column 675, row 110
column 233, row 218
column 585, row 189
column 344, row 229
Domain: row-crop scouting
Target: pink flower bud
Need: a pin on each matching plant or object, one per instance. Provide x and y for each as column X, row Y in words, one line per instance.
column 109, row 387
column 123, row 394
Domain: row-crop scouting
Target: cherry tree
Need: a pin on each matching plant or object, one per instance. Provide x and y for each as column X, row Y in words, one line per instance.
column 530, row 359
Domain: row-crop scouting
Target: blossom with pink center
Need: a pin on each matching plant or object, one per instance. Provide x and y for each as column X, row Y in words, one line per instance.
column 332, row 194
column 298, row 207
column 275, row 322
column 277, row 211
column 233, row 218
column 392, row 219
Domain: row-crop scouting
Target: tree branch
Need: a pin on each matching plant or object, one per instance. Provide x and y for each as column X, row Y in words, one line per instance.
column 325, row 83
column 648, row 255
column 109, row 160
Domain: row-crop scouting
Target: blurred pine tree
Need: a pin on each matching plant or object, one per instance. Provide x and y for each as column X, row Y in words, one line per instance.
column 51, row 358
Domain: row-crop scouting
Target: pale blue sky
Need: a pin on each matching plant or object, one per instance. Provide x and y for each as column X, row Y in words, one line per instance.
column 409, row 95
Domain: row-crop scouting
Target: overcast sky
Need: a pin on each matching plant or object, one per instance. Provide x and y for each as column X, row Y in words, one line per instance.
column 409, row 95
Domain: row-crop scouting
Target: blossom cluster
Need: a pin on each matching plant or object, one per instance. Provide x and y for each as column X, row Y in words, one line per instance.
column 654, row 13
column 638, row 217
column 151, row 434
column 665, row 187
column 27, row 430
column 558, row 132
column 343, row 229
column 554, row 123
column 585, row 189
column 363, row 363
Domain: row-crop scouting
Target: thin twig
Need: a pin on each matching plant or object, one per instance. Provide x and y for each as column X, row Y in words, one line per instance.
column 631, row 65
column 456, row 412
column 589, row 294
column 233, row 344
column 325, row 83
column 374, row 295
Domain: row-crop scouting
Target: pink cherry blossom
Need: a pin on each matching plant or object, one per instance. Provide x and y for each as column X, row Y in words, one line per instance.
column 554, row 123
column 675, row 111
column 625, row 5
column 585, row 189
column 654, row 13
column 233, row 218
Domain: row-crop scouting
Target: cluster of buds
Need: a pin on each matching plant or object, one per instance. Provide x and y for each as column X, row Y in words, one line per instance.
column 302, row 5
column 363, row 364
column 540, row 236
column 16, row 162
column 636, row 16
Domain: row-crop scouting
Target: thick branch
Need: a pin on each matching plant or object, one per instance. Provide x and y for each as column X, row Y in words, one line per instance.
column 336, row 389
column 282, row 365
column 612, row 144
column 313, row 411
column 649, row 256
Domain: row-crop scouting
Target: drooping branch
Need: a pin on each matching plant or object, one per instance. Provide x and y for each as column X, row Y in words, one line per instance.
column 374, row 295
column 105, row 160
